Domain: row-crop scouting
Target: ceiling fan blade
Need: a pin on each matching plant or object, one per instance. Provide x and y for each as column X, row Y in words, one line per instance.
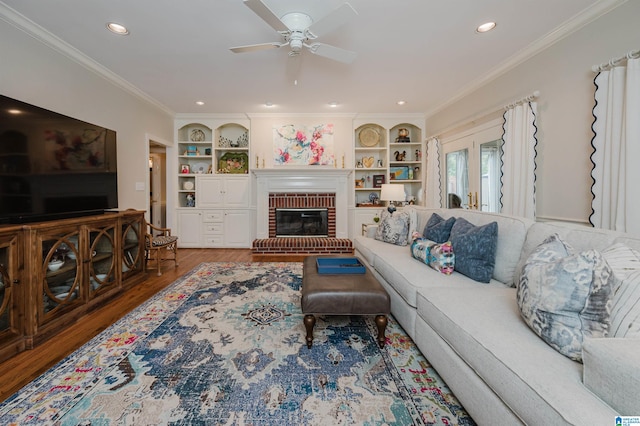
column 261, row 9
column 332, row 52
column 333, row 20
column 256, row 47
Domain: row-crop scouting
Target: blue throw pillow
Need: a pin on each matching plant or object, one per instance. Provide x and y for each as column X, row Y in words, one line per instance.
column 475, row 249
column 437, row 229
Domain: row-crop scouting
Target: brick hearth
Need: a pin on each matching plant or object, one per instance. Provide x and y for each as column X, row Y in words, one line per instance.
column 302, row 245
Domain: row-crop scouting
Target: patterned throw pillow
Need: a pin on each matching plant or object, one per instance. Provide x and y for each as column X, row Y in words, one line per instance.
column 439, row 256
column 625, row 304
column 565, row 297
column 475, row 248
column 437, row 229
column 393, row 229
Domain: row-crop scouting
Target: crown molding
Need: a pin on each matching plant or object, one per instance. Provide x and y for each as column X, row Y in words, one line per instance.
column 40, row 34
column 568, row 27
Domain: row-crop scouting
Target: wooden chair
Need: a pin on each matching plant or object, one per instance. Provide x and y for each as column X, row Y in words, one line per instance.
column 161, row 246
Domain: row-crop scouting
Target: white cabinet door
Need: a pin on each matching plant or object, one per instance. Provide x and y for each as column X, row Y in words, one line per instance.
column 236, row 192
column 237, row 229
column 219, row 192
column 210, row 191
column 189, row 228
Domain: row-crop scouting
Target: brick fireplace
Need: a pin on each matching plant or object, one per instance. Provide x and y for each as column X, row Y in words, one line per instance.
column 314, row 188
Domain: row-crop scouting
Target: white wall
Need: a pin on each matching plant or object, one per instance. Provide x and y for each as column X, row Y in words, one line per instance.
column 34, row 73
column 562, row 73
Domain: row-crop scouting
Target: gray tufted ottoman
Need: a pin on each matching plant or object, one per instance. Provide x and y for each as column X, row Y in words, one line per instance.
column 342, row 294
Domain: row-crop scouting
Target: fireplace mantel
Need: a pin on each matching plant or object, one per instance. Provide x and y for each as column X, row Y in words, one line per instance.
column 300, row 180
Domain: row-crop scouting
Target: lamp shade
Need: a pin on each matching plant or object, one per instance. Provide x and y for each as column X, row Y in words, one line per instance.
column 392, row 192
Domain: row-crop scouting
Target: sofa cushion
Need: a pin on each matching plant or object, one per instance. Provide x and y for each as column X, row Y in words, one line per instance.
column 407, row 275
column 366, row 247
column 483, row 325
column 612, row 371
column 565, row 297
column 438, row 229
column 393, row 228
column 475, row 248
column 438, row 256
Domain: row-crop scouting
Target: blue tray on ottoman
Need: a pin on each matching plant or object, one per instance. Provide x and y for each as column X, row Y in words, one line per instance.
column 340, row 265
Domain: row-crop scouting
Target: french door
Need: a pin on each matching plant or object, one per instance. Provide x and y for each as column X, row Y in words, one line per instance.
column 472, row 168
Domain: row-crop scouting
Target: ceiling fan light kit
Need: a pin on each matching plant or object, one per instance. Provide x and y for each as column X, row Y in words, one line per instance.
column 297, row 28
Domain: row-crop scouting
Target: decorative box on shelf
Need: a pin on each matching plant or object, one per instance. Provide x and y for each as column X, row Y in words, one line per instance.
column 340, row 265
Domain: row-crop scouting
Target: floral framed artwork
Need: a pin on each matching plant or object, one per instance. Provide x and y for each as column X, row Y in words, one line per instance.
column 303, row 145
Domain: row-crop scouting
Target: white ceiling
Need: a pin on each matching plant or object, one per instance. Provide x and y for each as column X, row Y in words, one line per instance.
column 423, row 51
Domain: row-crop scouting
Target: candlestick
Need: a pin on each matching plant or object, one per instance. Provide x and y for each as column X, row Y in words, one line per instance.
column 257, row 162
column 343, row 161
column 263, row 163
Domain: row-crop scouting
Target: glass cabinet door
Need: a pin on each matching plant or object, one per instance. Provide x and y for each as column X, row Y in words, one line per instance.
column 102, row 266
column 132, row 256
column 61, row 266
column 7, row 324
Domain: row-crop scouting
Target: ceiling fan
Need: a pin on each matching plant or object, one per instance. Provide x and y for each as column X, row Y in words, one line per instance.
column 298, row 30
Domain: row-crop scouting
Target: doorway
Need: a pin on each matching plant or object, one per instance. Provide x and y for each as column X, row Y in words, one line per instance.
column 157, row 184
column 472, row 168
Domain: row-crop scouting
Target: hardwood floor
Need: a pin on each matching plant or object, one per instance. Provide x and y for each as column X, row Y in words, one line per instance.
column 26, row 366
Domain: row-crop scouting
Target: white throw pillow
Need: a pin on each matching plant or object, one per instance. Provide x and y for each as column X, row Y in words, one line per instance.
column 565, row 297
column 393, row 228
column 625, row 306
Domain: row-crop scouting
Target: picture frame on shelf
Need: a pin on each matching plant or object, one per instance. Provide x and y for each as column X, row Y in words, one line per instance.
column 185, row 169
column 399, row 173
column 378, row 180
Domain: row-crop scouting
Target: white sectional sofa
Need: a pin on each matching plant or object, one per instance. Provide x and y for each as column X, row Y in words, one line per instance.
column 474, row 336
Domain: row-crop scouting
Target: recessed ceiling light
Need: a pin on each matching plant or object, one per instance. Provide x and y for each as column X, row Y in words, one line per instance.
column 14, row 111
column 333, row 104
column 269, row 104
column 117, row 28
column 401, row 102
column 199, row 103
column 487, row 26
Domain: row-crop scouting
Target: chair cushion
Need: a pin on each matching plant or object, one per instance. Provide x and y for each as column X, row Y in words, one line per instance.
column 163, row 240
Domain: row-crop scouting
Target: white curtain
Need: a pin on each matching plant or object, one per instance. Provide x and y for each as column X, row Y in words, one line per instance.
column 461, row 188
column 616, row 144
column 433, row 187
column 519, row 160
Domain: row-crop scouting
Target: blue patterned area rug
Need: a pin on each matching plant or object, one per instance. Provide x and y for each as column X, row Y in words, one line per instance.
column 225, row 345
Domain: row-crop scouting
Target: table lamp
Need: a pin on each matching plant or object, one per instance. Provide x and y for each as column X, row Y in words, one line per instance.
column 393, row 193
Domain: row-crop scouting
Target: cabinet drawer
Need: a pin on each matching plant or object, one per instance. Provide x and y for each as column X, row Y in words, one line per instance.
column 216, row 216
column 213, row 240
column 213, row 228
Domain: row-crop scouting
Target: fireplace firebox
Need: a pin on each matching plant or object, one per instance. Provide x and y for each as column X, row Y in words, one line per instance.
column 302, row 222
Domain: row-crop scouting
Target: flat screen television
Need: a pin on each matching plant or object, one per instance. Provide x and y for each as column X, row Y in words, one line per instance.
column 53, row 166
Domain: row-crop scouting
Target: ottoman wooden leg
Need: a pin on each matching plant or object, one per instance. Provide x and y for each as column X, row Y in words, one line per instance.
column 309, row 322
column 381, row 322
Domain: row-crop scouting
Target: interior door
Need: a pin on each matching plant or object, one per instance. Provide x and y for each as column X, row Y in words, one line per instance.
column 472, row 169
column 157, row 187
